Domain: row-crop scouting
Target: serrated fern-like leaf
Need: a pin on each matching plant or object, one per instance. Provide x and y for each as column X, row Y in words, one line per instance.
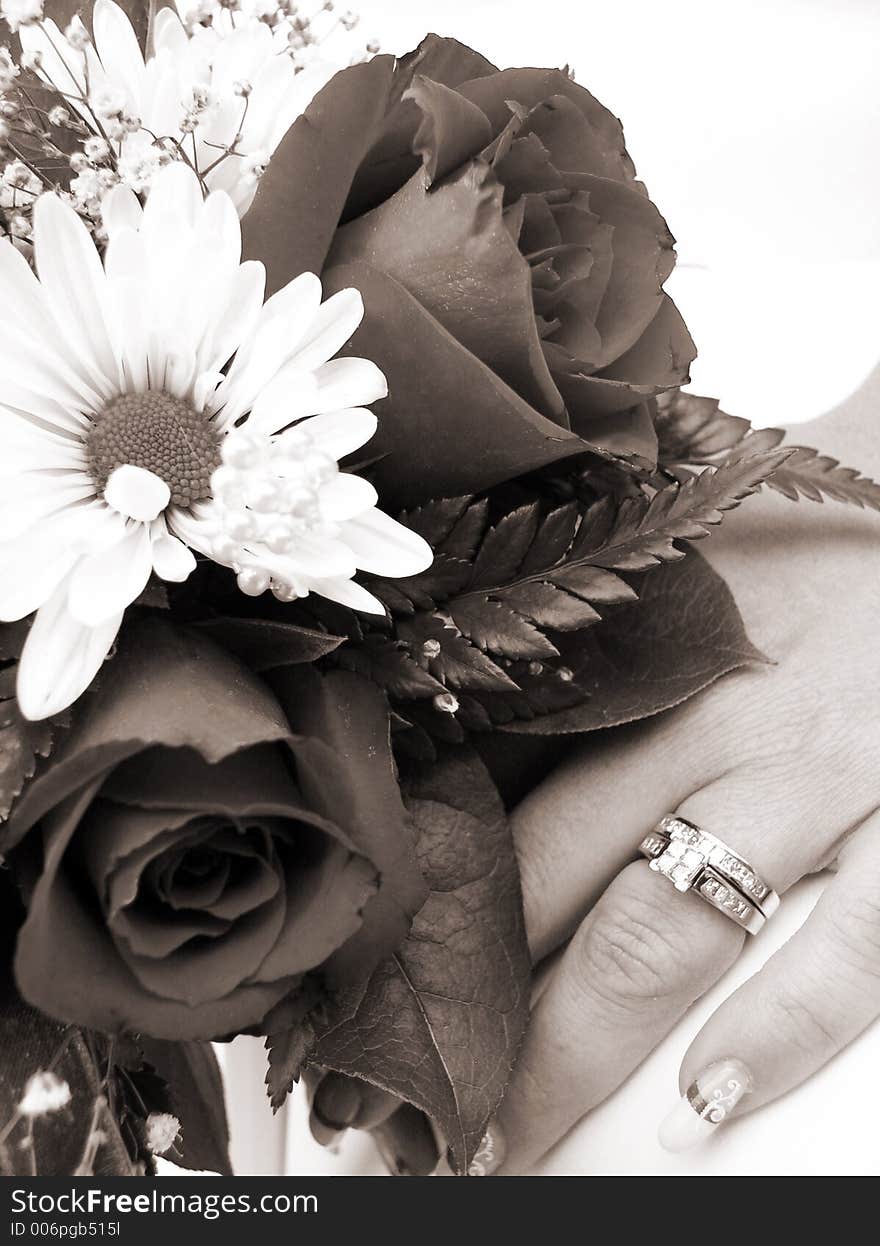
column 809, row 474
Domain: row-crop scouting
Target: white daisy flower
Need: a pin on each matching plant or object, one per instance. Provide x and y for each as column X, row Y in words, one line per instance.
column 155, row 406
column 187, row 93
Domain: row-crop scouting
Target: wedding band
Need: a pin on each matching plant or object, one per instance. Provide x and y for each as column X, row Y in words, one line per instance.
column 694, row 860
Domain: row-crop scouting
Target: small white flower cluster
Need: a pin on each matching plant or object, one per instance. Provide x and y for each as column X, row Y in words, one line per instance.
column 112, row 125
column 162, row 1129
column 44, row 1093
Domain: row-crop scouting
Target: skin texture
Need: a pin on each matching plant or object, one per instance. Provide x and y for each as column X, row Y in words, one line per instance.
column 779, row 761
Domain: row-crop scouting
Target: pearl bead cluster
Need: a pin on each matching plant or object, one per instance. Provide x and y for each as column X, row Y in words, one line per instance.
column 266, row 497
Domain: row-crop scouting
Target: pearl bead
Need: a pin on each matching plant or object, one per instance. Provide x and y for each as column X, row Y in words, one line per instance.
column 224, row 548
column 262, row 495
column 253, row 581
column 302, row 503
column 277, row 537
column 284, row 592
column 293, row 444
column 241, row 525
column 224, row 481
column 319, row 467
column 241, row 452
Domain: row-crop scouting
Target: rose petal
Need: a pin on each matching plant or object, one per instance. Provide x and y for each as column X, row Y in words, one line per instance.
column 295, row 212
column 431, row 412
column 661, row 356
column 452, row 130
column 324, row 907
column 347, row 774
column 67, row 965
column 451, row 249
column 226, row 709
column 530, row 88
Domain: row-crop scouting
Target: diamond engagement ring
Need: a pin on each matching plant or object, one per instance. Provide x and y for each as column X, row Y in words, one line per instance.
column 694, row 860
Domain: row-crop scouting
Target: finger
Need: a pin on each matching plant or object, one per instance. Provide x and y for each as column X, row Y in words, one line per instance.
column 407, row 1143
column 340, row 1102
column 810, row 1000
column 630, row 971
column 641, row 957
column 584, row 823
column 579, row 828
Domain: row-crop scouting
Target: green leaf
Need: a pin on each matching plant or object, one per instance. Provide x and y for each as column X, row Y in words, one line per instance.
column 388, row 663
column 504, row 547
column 815, row 476
column 457, row 662
column 554, row 536
column 551, row 607
column 595, row 584
column 264, row 644
column 290, row 1039
column 692, row 429
column 642, row 533
column 493, row 625
column 683, row 633
column 436, row 519
column 441, row 1022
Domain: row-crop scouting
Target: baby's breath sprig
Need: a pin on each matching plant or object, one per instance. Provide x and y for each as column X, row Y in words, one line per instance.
column 68, row 123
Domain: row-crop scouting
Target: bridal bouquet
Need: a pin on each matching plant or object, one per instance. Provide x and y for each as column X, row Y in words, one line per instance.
column 346, row 472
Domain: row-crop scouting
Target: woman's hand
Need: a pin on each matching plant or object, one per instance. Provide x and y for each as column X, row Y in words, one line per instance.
column 782, row 763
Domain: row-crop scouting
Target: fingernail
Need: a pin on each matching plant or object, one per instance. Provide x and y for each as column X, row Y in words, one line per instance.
column 489, row 1155
column 335, row 1106
column 337, row 1102
column 707, row 1103
column 407, row 1144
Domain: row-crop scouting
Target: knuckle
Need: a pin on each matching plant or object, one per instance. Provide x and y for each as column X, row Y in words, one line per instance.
column 854, row 931
column 634, row 951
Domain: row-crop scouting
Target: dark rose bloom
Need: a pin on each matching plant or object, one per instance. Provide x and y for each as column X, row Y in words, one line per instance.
column 208, row 842
column 511, row 265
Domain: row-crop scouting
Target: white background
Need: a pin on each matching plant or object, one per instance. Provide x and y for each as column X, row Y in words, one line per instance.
column 756, row 126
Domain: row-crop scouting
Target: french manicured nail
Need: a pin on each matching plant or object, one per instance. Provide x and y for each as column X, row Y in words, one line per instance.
column 490, row 1153
column 706, row 1104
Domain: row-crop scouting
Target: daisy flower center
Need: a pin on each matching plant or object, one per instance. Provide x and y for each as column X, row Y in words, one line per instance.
column 161, row 434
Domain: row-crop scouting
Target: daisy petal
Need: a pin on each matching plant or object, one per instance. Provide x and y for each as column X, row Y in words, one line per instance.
column 117, row 45
column 314, row 557
column 31, row 569
column 339, row 433
column 103, row 584
column 171, row 558
column 348, row 383
column 348, row 593
column 71, row 274
column 136, row 493
column 383, row 546
column 346, row 496
column 60, row 658
column 121, row 209
column 331, row 327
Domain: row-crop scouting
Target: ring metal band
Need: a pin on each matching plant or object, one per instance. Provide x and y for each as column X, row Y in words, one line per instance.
column 694, row 860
